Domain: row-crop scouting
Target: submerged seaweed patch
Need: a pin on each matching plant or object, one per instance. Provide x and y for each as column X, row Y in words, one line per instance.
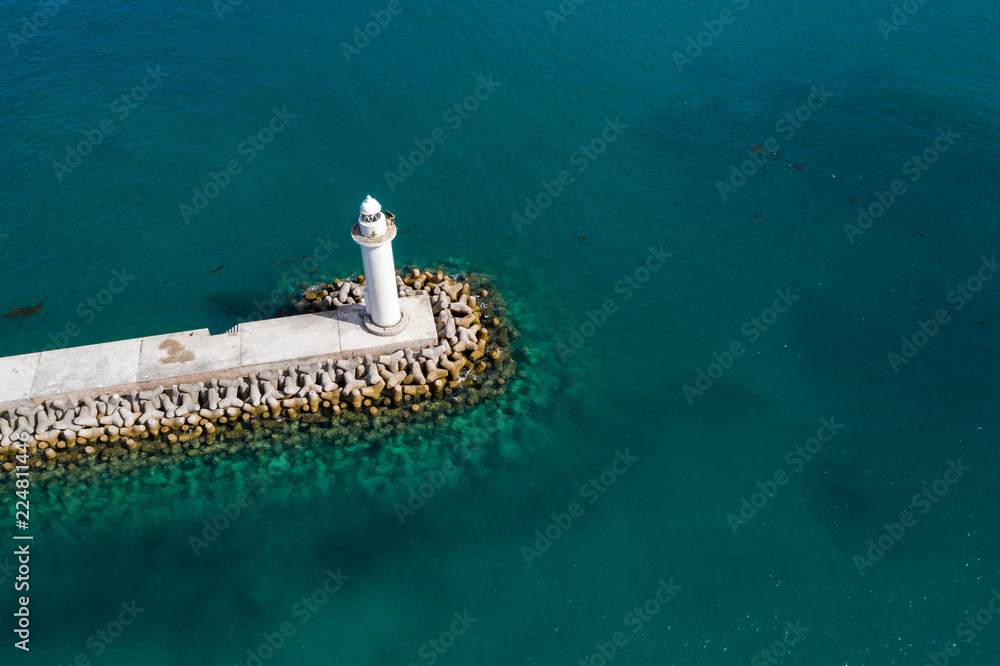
column 23, row 312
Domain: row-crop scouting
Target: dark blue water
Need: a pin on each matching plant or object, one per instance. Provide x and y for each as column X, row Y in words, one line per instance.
column 596, row 146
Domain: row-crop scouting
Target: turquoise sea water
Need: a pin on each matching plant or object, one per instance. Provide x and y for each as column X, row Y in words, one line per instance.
column 594, row 386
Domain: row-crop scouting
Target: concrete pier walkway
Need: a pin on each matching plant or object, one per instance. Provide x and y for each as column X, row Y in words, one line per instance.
column 192, row 356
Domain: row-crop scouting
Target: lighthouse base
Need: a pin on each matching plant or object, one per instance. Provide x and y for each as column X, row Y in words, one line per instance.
column 386, row 331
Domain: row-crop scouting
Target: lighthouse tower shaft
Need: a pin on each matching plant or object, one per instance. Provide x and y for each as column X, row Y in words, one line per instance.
column 381, row 299
column 374, row 233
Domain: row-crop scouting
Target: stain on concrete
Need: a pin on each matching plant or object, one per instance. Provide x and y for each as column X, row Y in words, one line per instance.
column 176, row 353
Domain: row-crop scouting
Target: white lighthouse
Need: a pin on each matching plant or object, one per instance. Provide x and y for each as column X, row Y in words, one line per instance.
column 374, row 233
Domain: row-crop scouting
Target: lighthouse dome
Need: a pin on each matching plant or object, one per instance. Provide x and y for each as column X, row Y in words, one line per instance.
column 370, row 207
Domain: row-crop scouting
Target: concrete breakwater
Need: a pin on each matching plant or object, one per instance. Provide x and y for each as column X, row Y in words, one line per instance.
column 468, row 363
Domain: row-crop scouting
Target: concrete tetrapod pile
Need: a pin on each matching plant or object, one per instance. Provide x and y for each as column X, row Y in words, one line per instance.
column 469, row 364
